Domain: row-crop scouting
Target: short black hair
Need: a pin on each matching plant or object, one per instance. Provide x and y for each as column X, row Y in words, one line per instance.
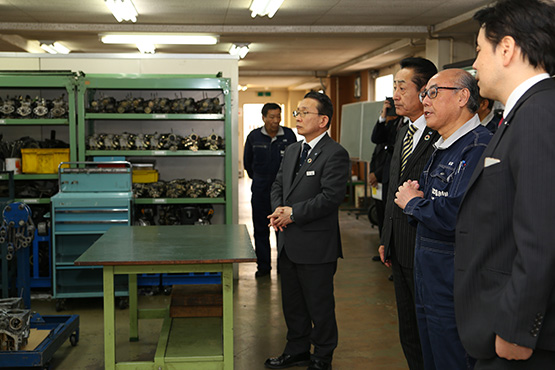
column 325, row 106
column 269, row 106
column 530, row 23
column 423, row 70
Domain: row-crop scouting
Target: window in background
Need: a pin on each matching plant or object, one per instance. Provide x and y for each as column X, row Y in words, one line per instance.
column 384, row 87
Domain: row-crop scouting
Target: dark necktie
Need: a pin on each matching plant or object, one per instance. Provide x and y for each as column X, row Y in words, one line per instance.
column 304, row 154
column 407, row 147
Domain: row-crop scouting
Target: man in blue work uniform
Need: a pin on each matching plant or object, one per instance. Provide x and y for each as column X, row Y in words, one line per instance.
column 450, row 104
column 262, row 157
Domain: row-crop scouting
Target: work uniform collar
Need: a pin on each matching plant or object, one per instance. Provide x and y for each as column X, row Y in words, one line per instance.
column 279, row 133
column 469, row 125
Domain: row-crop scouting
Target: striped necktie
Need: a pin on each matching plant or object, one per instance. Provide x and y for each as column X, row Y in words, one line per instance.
column 407, row 147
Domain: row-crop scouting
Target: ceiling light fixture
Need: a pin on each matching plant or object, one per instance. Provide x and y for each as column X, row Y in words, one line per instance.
column 158, row 39
column 123, row 10
column 54, row 47
column 239, row 49
column 265, row 7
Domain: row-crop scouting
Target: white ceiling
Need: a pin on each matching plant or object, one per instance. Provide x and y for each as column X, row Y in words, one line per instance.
column 305, row 40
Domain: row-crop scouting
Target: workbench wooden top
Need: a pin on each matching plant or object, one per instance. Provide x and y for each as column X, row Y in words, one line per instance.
column 170, row 245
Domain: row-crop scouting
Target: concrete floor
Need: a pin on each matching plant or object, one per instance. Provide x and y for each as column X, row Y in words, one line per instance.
column 365, row 309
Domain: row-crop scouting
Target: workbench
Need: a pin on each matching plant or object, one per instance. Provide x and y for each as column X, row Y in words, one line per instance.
column 172, row 249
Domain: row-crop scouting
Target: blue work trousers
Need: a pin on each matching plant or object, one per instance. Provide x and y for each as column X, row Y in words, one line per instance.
column 435, row 309
column 261, row 208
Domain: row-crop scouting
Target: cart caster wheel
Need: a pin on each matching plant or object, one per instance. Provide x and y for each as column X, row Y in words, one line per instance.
column 123, row 303
column 60, row 305
column 73, row 339
column 168, row 290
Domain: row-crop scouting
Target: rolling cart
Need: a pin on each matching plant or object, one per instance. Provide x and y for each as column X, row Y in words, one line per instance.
column 60, row 327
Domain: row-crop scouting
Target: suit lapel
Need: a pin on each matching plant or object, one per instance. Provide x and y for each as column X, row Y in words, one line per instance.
column 314, row 155
column 428, row 137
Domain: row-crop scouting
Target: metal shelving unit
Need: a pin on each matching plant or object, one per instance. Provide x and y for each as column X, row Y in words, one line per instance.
column 43, row 84
column 146, row 85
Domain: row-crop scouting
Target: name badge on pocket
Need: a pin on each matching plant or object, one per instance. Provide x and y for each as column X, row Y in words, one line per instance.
column 310, row 173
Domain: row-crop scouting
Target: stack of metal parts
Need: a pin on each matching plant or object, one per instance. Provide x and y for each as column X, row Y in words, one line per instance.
column 108, row 104
column 17, row 229
column 15, row 322
column 192, row 214
column 180, row 188
column 26, row 107
column 156, row 141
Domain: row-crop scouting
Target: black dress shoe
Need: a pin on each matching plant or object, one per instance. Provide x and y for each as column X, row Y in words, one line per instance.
column 319, row 365
column 284, row 361
column 261, row 273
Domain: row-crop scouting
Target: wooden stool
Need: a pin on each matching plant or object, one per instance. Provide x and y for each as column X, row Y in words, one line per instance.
column 196, row 300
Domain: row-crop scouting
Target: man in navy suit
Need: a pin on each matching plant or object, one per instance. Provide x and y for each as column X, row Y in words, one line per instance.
column 309, row 187
column 505, row 236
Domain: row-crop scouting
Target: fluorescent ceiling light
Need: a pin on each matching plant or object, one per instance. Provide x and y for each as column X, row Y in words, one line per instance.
column 123, row 10
column 239, row 49
column 158, row 39
column 54, row 48
column 265, row 7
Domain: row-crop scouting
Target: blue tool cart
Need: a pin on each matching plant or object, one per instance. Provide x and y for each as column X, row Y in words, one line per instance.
column 93, row 197
column 60, row 327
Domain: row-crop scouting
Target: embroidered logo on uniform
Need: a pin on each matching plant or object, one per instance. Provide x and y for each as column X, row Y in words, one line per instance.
column 440, row 193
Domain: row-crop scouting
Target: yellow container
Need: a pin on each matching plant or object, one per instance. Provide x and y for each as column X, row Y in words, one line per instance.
column 145, row 176
column 43, row 160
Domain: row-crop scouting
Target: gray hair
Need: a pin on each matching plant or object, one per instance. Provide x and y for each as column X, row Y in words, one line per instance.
column 467, row 81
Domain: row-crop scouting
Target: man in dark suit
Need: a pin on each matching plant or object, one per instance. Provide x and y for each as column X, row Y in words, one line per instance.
column 505, row 253
column 384, row 135
column 309, row 187
column 398, row 237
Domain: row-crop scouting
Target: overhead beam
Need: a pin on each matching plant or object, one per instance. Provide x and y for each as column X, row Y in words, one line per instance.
column 463, row 18
column 339, row 29
column 373, row 54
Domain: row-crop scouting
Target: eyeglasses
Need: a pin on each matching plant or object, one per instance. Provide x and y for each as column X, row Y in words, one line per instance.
column 432, row 92
column 297, row 113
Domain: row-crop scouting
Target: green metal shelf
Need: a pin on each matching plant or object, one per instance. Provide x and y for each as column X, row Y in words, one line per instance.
column 36, row 176
column 155, row 153
column 34, row 121
column 180, row 201
column 158, row 83
column 33, row 200
column 63, row 80
column 154, row 116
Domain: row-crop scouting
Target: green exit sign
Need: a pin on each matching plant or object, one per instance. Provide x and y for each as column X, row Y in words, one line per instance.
column 264, row 93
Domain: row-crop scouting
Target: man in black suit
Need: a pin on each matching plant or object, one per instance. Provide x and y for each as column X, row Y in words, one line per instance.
column 309, row 187
column 505, row 253
column 398, row 237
